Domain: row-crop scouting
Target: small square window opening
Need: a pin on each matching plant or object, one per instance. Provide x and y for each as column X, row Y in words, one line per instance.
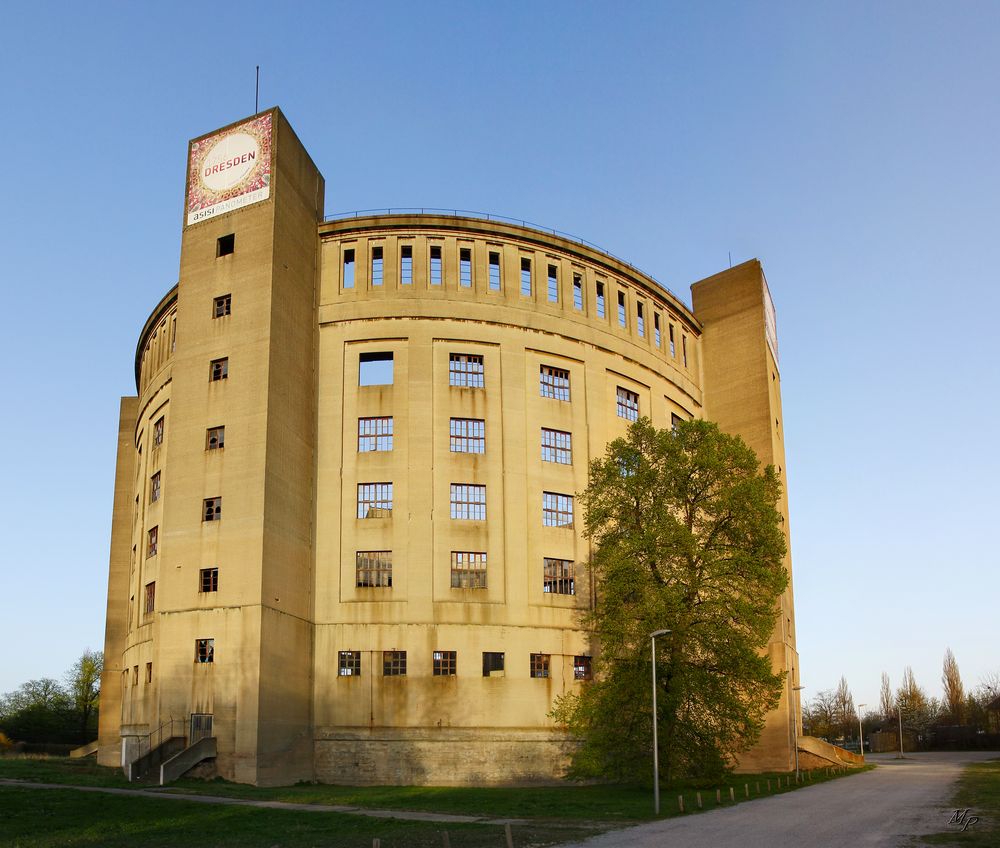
column 375, row 434
column 445, row 663
column 558, row 577
column 373, row 569
column 394, row 663
column 212, row 509
column 204, row 650
column 375, row 369
column 215, row 438
column 493, row 663
column 540, row 665
column 225, row 245
column 467, row 435
column 208, row 580
column 466, row 370
column 222, row 306
column 218, row 370
column 468, row 570
column 349, row 663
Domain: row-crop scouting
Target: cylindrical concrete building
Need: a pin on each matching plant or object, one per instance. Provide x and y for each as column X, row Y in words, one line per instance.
column 346, row 544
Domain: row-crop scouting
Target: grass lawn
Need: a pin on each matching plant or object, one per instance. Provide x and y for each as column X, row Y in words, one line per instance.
column 67, row 818
column 978, row 791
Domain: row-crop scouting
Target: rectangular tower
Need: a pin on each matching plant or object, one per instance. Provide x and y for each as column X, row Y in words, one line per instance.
column 742, row 386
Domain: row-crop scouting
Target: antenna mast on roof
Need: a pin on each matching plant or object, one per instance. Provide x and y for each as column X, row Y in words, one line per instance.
column 256, row 94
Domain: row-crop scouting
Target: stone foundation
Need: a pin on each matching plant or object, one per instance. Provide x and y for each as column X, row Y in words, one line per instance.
column 440, row 757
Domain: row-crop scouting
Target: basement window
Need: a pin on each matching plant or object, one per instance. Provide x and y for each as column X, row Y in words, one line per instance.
column 493, row 664
column 225, row 245
column 349, row 663
column 394, row 663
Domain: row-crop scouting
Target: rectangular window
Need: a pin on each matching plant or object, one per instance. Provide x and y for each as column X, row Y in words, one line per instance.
column 540, row 665
column 684, row 349
column 154, row 487
column 373, row 569
column 149, row 672
column 673, row 349
column 675, row 420
column 375, row 434
column 557, row 577
column 218, row 370
column 135, row 675
column 349, row 268
column 557, row 510
column 406, row 265
column 394, row 663
column 640, row 321
column 204, row 650
column 215, row 438
column 465, row 267
column 492, row 664
column 377, row 269
column 225, row 245
column 526, row 276
column 466, row 370
column 468, row 570
column 494, row 271
column 656, row 330
column 468, row 435
column 158, row 432
column 436, row 265
column 468, row 502
column 557, row 446
column 553, row 284
column 622, row 318
column 581, row 668
column 375, row 369
column 628, row 404
column 212, row 509
column 601, row 313
column 553, row 382
column 223, row 306
column 445, row 663
column 150, row 597
column 374, row 500
column 208, row 580
column 348, row 663
column 152, row 538
column 578, row 293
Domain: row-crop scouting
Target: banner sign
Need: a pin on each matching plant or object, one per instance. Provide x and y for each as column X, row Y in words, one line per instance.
column 229, row 170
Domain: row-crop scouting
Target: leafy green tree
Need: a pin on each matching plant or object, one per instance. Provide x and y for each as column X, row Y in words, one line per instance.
column 83, row 686
column 686, row 537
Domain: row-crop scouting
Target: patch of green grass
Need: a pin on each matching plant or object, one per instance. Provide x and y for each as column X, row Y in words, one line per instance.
column 978, row 791
column 67, row 818
column 569, row 804
column 44, row 769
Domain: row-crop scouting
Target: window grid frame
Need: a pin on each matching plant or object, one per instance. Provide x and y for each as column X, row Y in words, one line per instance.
column 373, row 569
column 374, row 496
column 539, row 666
column 554, row 383
column 377, row 265
column 627, row 403
column 557, row 510
column 495, row 272
column 557, row 446
column 468, row 570
column 380, row 436
column 553, row 284
column 444, row 664
column 558, row 576
column 465, row 267
column 466, row 370
column 406, row 265
column 467, row 435
column 349, row 663
column 394, row 663
column 468, row 501
column 208, row 580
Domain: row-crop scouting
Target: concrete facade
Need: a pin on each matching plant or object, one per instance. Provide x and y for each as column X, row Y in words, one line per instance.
column 409, row 404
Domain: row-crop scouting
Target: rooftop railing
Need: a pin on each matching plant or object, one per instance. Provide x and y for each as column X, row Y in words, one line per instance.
column 503, row 219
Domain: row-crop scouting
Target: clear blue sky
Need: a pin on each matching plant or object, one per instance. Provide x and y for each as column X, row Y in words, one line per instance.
column 852, row 147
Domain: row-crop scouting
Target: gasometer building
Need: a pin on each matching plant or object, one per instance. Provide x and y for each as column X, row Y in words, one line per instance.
column 346, row 543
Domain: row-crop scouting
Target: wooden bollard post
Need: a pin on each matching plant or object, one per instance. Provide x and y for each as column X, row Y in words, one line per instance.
column 698, row 796
column 376, row 843
column 732, row 794
column 769, row 785
column 445, row 840
column 507, row 834
column 718, row 796
column 680, row 803
column 757, row 784
column 746, row 789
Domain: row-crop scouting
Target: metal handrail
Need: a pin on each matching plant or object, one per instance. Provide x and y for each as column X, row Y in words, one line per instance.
column 146, row 742
column 492, row 216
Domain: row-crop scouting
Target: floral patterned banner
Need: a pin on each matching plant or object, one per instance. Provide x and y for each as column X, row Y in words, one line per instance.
column 229, row 170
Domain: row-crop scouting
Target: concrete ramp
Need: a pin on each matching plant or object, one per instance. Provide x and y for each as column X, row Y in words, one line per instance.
column 178, row 764
column 84, row 750
column 815, row 753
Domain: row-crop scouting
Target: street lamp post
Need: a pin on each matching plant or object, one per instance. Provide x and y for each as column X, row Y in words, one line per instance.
column 656, row 745
column 899, row 712
column 861, row 732
column 795, row 733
